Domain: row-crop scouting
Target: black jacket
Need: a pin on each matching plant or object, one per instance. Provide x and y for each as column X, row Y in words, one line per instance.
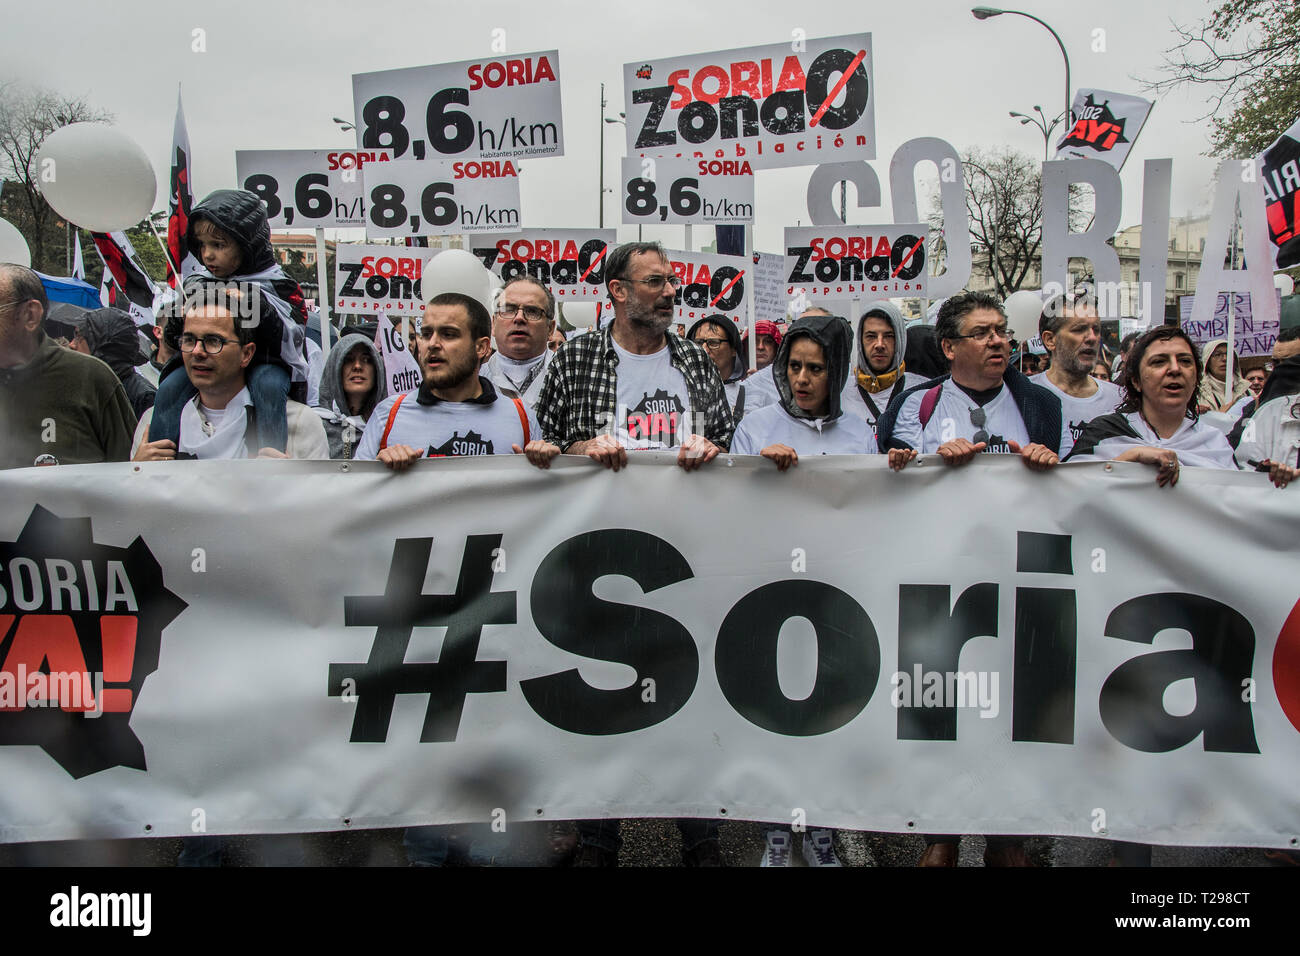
column 112, row 337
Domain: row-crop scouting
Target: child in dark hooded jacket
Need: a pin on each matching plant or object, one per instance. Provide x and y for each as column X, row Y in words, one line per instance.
column 230, row 235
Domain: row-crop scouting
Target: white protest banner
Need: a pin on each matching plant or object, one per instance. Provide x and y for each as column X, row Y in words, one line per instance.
column 1105, row 126
column 1006, row 668
column 783, row 104
column 570, row 262
column 711, row 283
column 1279, row 171
column 770, row 300
column 374, row 278
column 1252, row 336
column 492, row 108
column 705, row 191
column 307, row 188
column 856, row 262
column 433, row 198
column 399, row 365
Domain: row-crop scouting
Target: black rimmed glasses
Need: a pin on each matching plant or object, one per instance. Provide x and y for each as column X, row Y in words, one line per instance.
column 212, row 344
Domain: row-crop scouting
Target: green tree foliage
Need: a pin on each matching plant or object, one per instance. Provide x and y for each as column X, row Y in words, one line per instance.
column 1247, row 54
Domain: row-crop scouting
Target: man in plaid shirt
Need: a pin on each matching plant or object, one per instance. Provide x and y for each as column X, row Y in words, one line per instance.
column 635, row 385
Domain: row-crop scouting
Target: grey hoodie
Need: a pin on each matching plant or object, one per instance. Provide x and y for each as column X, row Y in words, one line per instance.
column 860, row 363
column 835, row 337
column 333, row 408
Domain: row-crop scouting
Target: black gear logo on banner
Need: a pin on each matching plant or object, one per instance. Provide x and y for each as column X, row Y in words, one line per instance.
column 80, row 629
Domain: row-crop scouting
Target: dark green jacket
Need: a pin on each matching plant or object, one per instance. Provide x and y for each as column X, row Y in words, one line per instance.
column 65, row 405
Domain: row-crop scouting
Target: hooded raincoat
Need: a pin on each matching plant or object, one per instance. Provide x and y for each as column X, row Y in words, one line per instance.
column 785, row 423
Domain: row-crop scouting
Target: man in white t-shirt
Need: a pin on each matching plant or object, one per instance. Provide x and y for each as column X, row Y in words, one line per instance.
column 983, row 405
column 1071, row 333
column 521, row 330
column 634, row 385
column 455, row 412
column 219, row 421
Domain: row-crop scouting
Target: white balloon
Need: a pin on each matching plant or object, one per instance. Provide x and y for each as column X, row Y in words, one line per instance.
column 457, row 270
column 580, row 315
column 13, row 247
column 1023, row 309
column 96, row 177
column 1284, row 282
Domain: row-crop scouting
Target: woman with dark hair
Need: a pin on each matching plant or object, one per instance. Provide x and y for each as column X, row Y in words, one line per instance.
column 1157, row 423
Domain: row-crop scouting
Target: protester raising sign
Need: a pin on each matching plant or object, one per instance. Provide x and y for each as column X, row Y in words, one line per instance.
column 856, row 262
column 785, row 104
column 1105, row 126
column 710, row 284
column 502, row 107
column 1280, row 174
column 372, row 278
column 570, row 262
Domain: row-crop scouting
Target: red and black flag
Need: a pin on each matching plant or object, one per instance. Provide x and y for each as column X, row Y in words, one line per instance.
column 131, row 289
column 1280, row 174
column 180, row 201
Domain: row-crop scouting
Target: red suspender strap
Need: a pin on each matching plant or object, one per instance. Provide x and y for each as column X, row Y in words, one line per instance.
column 928, row 401
column 523, row 420
column 388, row 426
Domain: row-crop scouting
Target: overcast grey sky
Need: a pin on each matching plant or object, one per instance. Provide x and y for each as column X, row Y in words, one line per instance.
column 276, row 71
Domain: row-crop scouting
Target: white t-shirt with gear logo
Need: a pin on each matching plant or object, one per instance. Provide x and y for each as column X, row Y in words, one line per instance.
column 1077, row 412
column 952, row 420
column 653, row 402
column 447, row 429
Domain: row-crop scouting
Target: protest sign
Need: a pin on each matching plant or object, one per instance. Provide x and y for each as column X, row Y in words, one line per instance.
column 372, row 278
column 433, row 198
column 1105, row 126
column 400, row 367
column 856, row 262
column 1002, row 669
column 570, row 262
column 688, row 191
column 1279, row 169
column 770, row 300
column 307, row 188
column 1253, row 336
column 784, row 104
column 493, row 108
column 710, row 284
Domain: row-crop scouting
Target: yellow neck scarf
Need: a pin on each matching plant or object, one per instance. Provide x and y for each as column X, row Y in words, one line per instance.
column 878, row 383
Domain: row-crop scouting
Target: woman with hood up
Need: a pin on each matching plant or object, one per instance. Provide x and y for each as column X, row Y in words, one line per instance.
column 351, row 385
column 810, row 370
column 1214, row 367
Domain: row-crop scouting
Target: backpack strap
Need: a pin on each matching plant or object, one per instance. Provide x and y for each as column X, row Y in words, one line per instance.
column 388, row 426
column 523, row 420
column 928, row 402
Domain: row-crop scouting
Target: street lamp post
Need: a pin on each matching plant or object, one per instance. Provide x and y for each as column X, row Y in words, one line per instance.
column 604, row 120
column 984, row 13
column 1040, row 121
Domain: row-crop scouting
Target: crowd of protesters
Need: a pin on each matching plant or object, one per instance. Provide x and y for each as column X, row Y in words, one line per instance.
column 234, row 378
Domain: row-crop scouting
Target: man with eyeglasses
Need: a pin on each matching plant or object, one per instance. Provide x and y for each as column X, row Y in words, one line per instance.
column 57, row 406
column 634, row 385
column 523, row 324
column 982, row 405
column 721, row 340
column 219, row 422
